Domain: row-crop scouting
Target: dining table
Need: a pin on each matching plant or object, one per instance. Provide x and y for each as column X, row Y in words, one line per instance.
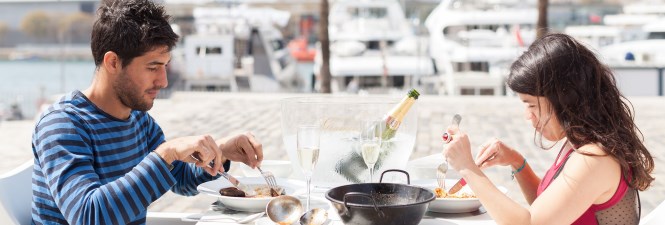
column 479, row 217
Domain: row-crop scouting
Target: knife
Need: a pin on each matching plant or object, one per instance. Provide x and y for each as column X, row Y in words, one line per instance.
column 461, row 182
column 244, row 188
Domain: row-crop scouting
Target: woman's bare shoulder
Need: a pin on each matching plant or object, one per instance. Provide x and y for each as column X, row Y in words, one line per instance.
column 594, row 157
column 596, row 169
column 591, row 149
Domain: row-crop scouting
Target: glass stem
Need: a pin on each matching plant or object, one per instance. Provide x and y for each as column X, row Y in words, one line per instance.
column 371, row 173
column 309, row 190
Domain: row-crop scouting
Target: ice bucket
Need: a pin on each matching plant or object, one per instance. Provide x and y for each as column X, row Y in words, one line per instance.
column 340, row 118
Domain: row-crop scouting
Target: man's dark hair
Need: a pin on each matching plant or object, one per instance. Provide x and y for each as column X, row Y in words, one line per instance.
column 130, row 28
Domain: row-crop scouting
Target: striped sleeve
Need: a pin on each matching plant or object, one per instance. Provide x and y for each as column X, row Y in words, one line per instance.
column 187, row 175
column 64, row 152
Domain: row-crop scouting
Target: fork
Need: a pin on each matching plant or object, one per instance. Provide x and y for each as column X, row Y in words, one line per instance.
column 442, row 169
column 270, row 179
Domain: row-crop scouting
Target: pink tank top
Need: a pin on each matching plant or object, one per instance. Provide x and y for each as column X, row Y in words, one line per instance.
column 621, row 203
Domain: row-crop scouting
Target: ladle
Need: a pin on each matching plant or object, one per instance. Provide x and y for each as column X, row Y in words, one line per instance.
column 315, row 216
column 284, row 210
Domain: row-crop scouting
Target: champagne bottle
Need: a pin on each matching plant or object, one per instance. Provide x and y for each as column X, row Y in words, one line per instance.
column 394, row 118
column 352, row 165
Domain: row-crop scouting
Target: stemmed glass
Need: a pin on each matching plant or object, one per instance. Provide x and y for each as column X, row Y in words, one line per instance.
column 370, row 144
column 308, row 152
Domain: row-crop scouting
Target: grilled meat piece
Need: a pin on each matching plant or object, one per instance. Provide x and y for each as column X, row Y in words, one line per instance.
column 231, row 192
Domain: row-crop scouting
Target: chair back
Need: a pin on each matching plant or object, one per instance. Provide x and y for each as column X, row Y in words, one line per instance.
column 655, row 217
column 16, row 195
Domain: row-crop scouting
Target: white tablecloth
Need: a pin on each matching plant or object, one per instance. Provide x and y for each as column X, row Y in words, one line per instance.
column 476, row 218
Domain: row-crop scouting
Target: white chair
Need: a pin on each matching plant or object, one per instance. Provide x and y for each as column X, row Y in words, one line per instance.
column 16, row 195
column 655, row 217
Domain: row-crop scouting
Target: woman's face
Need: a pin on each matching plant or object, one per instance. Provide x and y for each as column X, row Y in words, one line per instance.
column 538, row 111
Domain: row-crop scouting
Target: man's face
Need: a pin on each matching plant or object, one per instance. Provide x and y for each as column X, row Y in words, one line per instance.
column 139, row 82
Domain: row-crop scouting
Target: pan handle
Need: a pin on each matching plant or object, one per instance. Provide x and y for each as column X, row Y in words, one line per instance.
column 408, row 179
column 360, row 194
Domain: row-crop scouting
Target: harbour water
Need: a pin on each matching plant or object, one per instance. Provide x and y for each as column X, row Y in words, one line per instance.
column 28, row 83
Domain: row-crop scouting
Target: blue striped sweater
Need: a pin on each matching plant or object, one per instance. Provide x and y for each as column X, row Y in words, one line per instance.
column 92, row 168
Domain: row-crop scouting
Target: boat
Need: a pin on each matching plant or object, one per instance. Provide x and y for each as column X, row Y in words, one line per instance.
column 235, row 45
column 300, row 47
column 635, row 16
column 596, row 36
column 372, row 45
column 473, row 42
column 636, row 22
column 632, row 44
column 300, row 50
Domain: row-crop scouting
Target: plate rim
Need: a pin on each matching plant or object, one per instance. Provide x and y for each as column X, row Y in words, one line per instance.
column 287, row 183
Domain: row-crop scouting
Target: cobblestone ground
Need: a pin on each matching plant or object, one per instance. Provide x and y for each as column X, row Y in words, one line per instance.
column 222, row 114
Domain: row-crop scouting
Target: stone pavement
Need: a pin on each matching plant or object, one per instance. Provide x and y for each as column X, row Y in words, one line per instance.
column 222, row 114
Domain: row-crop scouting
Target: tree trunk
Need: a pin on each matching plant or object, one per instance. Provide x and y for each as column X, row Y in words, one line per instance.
column 541, row 29
column 324, row 74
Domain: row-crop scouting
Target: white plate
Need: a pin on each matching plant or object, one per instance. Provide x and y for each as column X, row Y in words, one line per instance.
column 212, row 188
column 452, row 205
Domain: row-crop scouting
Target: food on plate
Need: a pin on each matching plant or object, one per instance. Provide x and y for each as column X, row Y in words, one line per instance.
column 440, row 193
column 262, row 191
column 231, row 192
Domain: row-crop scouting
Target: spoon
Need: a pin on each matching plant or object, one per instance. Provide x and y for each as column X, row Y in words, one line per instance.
column 284, row 209
column 316, row 216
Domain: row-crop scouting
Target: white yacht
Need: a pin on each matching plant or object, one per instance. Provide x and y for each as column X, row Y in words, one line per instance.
column 372, row 44
column 633, row 45
column 237, row 43
column 635, row 16
column 629, row 25
column 473, row 42
column 596, row 36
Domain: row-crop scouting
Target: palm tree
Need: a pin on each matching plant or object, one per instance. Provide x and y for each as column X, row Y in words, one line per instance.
column 541, row 29
column 324, row 73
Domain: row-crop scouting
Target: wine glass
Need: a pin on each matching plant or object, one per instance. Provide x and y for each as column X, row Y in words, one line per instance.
column 308, row 152
column 370, row 144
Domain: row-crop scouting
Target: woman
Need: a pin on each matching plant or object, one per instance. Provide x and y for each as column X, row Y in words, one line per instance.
column 569, row 96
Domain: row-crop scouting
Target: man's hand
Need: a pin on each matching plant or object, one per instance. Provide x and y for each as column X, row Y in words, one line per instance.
column 189, row 149
column 243, row 148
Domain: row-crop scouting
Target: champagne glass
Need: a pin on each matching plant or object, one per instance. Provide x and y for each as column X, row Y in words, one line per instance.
column 370, row 144
column 308, row 153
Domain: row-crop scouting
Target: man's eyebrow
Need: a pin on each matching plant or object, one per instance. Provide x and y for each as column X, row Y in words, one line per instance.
column 157, row 63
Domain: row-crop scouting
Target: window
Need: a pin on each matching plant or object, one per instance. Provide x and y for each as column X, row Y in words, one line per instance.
column 209, row 50
column 277, row 45
column 368, row 12
column 656, row 35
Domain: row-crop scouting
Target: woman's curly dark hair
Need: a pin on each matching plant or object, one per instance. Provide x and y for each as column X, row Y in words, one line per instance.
column 585, row 100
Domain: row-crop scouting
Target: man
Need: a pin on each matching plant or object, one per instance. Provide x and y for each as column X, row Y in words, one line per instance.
column 99, row 157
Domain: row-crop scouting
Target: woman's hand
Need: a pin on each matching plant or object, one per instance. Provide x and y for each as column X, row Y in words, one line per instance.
column 243, row 148
column 498, row 153
column 458, row 150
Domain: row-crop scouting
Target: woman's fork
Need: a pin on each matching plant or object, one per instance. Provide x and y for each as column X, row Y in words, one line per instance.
column 442, row 169
column 270, row 179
